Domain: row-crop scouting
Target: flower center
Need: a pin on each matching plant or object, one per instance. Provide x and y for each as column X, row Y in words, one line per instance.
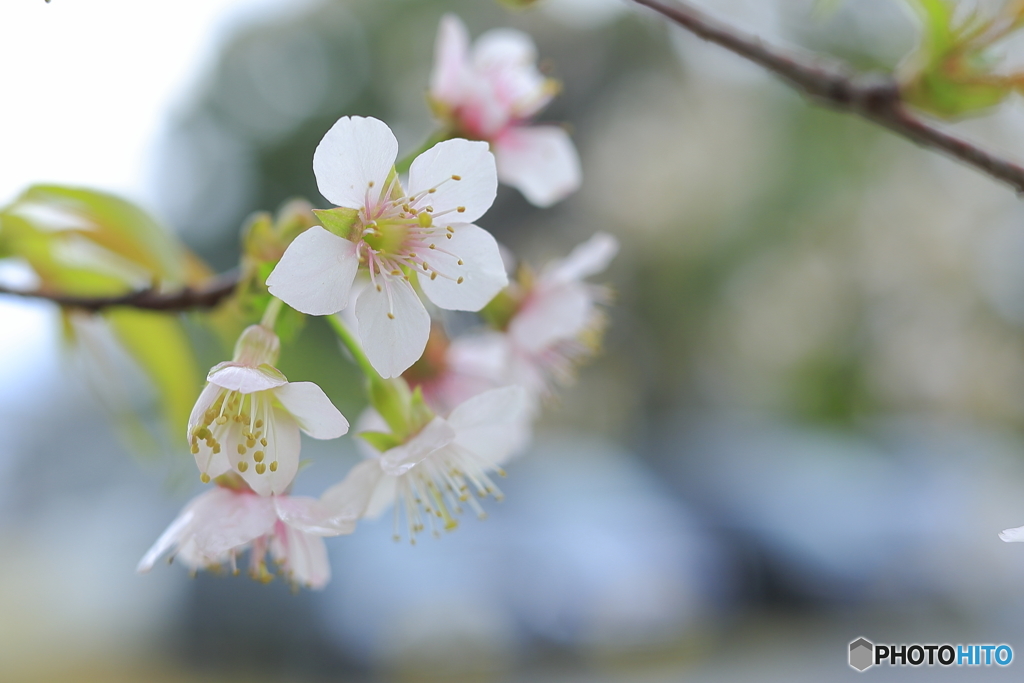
column 241, row 421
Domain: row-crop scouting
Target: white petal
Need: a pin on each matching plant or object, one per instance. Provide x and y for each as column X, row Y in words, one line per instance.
column 283, row 446
column 304, row 557
column 589, row 258
column 399, row 460
column 206, row 399
column 472, row 163
column 551, row 315
column 482, row 270
column 316, row 272
column 507, row 58
column 449, row 60
column 539, row 161
column 383, row 497
column 310, row 516
column 172, row 536
column 231, row 520
column 215, row 464
column 396, row 341
column 355, row 152
column 235, row 377
column 503, row 46
column 348, row 499
column 1012, row 535
column 311, row 408
column 493, row 425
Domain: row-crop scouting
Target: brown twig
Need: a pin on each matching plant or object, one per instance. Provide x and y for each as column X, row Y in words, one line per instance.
column 187, row 298
column 875, row 97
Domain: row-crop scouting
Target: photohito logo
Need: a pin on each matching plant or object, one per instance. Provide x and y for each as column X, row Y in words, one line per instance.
column 865, row 654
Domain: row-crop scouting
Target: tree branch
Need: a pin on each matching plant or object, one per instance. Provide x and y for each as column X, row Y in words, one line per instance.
column 875, row 97
column 206, row 296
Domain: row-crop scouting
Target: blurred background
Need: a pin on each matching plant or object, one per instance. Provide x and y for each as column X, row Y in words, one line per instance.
column 807, row 424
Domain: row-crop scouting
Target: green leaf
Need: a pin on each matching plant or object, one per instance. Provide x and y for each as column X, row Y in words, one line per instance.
column 338, row 220
column 117, row 225
column 158, row 343
column 382, row 441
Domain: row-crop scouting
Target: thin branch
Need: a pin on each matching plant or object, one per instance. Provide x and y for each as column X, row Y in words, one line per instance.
column 187, row 298
column 873, row 96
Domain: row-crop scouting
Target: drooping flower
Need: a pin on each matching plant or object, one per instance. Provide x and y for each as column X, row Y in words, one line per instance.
column 249, row 415
column 491, row 93
column 424, row 231
column 220, row 524
column 445, row 465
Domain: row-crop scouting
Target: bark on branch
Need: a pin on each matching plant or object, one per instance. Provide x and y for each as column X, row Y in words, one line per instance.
column 206, row 296
column 875, row 97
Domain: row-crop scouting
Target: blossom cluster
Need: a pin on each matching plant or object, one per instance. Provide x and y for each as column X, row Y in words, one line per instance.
column 445, row 414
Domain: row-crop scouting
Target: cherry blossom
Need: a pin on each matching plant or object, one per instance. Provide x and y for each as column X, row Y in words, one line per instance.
column 547, row 325
column 423, row 234
column 220, row 524
column 442, row 467
column 490, row 93
column 558, row 321
column 249, row 415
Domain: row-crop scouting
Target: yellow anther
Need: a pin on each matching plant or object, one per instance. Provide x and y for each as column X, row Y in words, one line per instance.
column 433, row 276
column 243, row 466
column 391, row 315
column 241, row 449
column 205, row 478
column 460, row 209
column 251, row 443
column 396, row 271
column 195, row 449
column 273, row 466
column 259, row 423
column 216, row 448
column 223, row 419
column 261, row 468
column 371, row 183
column 430, row 209
column 263, row 442
column 258, row 456
column 449, row 235
column 379, row 288
column 456, row 177
column 460, row 280
column 433, row 246
column 460, row 262
column 432, row 190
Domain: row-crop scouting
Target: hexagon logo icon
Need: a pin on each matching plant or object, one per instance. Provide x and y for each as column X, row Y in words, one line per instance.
column 862, row 653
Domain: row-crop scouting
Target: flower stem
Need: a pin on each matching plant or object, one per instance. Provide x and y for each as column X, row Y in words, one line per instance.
column 271, row 312
column 354, row 348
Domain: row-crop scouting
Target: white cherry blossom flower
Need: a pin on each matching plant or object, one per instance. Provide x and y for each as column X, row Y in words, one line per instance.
column 424, row 231
column 220, row 524
column 490, row 93
column 442, row 467
column 249, row 415
column 558, row 321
